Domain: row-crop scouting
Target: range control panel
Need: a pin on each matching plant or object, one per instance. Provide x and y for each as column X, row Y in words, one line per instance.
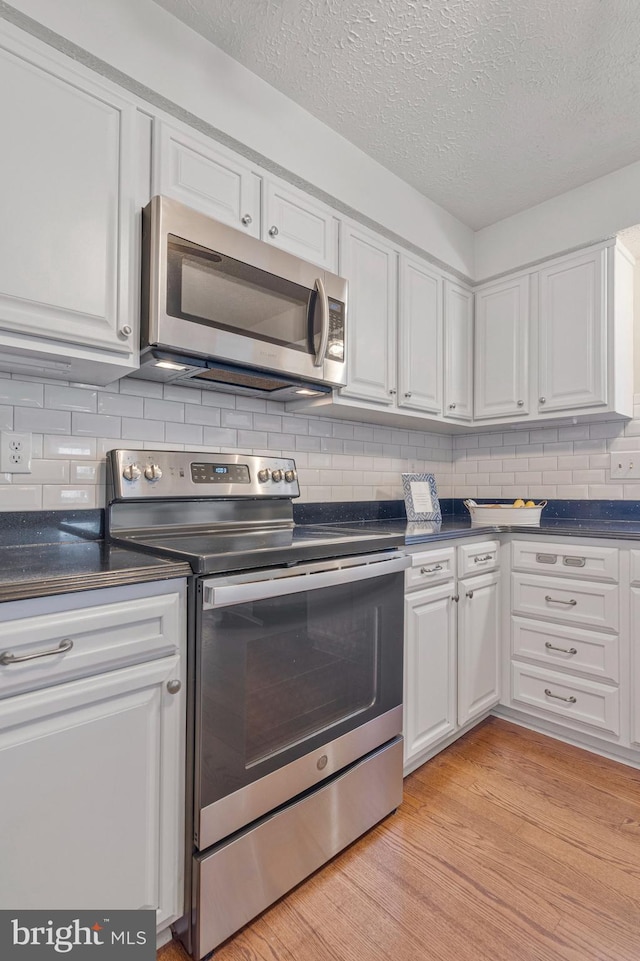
column 149, row 474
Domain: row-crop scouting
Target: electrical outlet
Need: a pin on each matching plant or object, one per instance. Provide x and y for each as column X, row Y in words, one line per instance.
column 625, row 464
column 15, row 453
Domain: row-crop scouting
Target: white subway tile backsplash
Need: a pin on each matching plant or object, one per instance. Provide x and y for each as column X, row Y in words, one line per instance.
column 185, row 434
column 95, row 425
column 49, row 472
column 55, row 497
column 44, row 421
column 166, row 410
column 206, row 416
column 74, row 426
column 147, row 429
column 70, row 398
column 120, row 405
column 86, row 472
column 70, row 447
column 21, row 497
column 236, row 418
column 20, row 393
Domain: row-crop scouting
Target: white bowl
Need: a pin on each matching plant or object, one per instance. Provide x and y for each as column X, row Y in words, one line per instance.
column 490, row 515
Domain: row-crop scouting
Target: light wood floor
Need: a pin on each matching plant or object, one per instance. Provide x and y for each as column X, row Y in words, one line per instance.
column 509, row 846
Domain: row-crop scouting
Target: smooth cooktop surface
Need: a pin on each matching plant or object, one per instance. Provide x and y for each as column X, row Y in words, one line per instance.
column 211, row 552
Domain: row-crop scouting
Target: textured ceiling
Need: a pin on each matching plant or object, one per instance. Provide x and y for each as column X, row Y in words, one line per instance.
column 485, row 106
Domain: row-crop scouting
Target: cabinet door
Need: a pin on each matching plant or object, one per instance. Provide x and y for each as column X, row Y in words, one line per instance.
column 635, row 666
column 573, row 333
column 90, row 780
column 478, row 646
column 430, row 668
column 296, row 223
column 370, row 266
column 206, row 177
column 458, row 351
column 69, row 224
column 502, row 349
column 420, row 340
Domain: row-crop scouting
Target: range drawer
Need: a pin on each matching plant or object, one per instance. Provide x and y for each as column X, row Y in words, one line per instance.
column 430, row 567
column 567, row 560
column 571, row 602
column 478, row 558
column 86, row 641
column 572, row 699
column 571, row 648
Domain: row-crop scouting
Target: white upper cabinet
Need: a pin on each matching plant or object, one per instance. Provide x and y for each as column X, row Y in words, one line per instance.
column 458, row 351
column 295, row 222
column 502, row 349
column 370, row 266
column 201, row 174
column 573, row 333
column 70, row 166
column 420, row 337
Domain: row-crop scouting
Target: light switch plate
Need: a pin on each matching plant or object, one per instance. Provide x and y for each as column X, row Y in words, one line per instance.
column 15, row 452
column 625, row 464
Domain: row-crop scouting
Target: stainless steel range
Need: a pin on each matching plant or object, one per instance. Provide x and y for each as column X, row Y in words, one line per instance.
column 295, row 674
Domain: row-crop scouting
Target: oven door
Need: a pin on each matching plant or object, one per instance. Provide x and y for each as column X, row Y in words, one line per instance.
column 298, row 674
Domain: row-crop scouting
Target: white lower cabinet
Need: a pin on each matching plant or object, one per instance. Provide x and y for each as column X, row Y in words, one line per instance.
column 635, row 657
column 566, row 648
column 451, row 648
column 430, row 668
column 478, row 645
column 92, row 769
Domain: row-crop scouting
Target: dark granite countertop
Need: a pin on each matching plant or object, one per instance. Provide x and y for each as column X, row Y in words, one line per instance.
column 618, row 519
column 43, row 553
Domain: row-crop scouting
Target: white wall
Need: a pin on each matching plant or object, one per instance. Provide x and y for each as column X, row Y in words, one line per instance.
column 143, row 41
column 589, row 213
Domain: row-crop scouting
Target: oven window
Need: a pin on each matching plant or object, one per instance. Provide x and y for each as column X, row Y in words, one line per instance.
column 217, row 291
column 283, row 675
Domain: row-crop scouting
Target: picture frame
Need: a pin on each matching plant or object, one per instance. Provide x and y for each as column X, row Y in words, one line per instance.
column 421, row 498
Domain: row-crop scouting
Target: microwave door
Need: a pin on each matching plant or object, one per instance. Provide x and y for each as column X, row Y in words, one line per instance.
column 262, row 312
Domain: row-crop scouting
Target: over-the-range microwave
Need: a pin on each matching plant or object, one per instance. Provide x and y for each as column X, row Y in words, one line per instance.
column 224, row 311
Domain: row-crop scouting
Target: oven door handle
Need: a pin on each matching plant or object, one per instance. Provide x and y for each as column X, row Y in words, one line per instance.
column 227, row 594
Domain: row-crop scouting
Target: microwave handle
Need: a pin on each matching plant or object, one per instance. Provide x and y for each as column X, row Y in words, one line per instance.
column 324, row 334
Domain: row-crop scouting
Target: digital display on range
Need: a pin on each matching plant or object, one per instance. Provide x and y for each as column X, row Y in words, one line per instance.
column 220, row 473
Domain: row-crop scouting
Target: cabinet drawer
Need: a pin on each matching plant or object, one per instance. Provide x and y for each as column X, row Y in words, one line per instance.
column 574, row 699
column 571, row 602
column 478, row 558
column 430, row 567
column 571, row 648
column 91, row 640
column 567, row 560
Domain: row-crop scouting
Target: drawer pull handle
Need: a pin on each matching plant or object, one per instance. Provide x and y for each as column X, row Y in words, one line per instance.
column 574, row 561
column 431, row 570
column 559, row 697
column 558, row 600
column 565, row 650
column 8, row 658
column 480, row 558
column 546, row 558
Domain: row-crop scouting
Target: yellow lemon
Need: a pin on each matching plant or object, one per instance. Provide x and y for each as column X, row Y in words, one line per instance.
column 530, row 504
column 518, row 503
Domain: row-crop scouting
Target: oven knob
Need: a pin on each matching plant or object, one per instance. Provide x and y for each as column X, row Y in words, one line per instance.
column 264, row 475
column 152, row 472
column 131, row 472
column 290, row 476
column 276, row 476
